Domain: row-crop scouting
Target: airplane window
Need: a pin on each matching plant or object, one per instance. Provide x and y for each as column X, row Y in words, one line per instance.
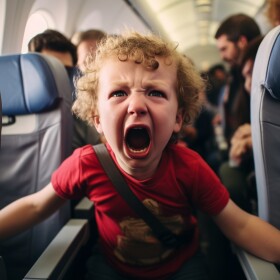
column 37, row 23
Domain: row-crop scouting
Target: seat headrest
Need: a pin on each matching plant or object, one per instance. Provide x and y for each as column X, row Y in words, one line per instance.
column 27, row 83
column 272, row 81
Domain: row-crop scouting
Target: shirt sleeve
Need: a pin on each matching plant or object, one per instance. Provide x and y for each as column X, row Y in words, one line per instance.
column 66, row 180
column 210, row 194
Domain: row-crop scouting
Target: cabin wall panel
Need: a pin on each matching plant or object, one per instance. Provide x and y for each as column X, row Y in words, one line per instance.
column 16, row 16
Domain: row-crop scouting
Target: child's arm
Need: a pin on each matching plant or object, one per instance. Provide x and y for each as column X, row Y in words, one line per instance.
column 28, row 211
column 250, row 232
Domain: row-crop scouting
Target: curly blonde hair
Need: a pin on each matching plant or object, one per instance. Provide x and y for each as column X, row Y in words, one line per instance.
column 142, row 49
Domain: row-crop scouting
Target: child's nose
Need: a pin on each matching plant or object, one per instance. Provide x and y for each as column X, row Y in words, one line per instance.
column 137, row 104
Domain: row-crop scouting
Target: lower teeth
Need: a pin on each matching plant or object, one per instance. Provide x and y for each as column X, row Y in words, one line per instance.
column 137, row 151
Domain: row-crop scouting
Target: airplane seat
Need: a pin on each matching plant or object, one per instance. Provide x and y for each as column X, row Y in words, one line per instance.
column 36, row 138
column 265, row 125
column 265, row 107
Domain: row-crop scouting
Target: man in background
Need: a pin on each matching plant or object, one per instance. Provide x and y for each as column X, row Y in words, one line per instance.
column 232, row 37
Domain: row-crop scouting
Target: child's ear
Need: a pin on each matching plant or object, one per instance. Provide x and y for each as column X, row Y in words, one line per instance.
column 178, row 121
column 97, row 124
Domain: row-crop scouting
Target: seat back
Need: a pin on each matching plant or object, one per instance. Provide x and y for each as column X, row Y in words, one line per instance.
column 36, row 138
column 265, row 121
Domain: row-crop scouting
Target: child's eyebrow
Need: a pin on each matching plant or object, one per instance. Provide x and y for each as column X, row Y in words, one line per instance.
column 145, row 85
column 155, row 83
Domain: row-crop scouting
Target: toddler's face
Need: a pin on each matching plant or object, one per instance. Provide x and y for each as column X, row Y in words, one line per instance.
column 138, row 112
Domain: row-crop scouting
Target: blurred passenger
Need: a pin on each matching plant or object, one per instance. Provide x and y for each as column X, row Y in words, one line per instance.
column 199, row 136
column 86, row 42
column 233, row 35
column 54, row 43
column 238, row 174
column 273, row 12
column 217, row 77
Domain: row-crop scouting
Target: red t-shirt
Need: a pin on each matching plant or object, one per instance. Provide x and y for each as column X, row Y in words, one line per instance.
column 182, row 181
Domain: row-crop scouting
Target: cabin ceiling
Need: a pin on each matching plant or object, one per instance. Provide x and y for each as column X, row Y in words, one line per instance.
column 191, row 23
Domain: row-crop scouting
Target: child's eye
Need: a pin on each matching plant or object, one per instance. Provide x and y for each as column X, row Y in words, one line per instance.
column 156, row 93
column 118, row 93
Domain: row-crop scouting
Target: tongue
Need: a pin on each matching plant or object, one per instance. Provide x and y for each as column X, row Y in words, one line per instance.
column 137, row 139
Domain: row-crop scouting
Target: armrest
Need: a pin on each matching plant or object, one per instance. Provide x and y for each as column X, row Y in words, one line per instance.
column 3, row 273
column 84, row 209
column 256, row 268
column 60, row 253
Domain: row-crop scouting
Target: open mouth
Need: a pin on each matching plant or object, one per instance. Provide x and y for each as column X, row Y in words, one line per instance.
column 137, row 142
